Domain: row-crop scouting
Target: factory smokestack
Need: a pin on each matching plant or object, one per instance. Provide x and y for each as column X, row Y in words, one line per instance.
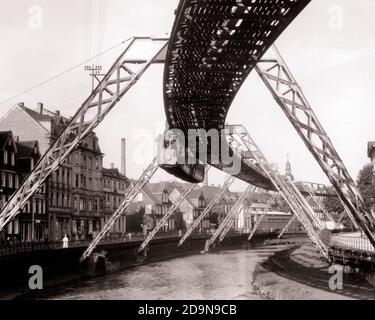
column 123, row 157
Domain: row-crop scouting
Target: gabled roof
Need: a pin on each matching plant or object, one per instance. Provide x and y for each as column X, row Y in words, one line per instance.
column 45, row 116
column 113, row 173
column 148, row 191
column 26, row 149
column 4, row 138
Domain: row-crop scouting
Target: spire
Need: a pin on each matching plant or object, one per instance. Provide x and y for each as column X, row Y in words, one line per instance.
column 288, row 168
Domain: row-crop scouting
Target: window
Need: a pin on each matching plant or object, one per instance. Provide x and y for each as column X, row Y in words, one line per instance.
column 89, row 202
column 81, row 204
column 5, row 157
column 140, row 197
column 76, row 159
column 10, row 180
column 75, row 205
column 12, row 159
column 96, row 205
column 3, row 179
column 76, row 180
column 16, row 182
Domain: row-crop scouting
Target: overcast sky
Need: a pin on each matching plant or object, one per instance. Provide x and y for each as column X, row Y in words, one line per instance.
column 329, row 48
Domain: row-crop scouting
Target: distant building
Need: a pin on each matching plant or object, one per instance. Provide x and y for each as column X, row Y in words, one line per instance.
column 114, row 188
column 17, row 159
column 154, row 199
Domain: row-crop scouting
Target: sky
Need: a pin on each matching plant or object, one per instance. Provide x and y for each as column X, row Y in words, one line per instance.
column 329, row 49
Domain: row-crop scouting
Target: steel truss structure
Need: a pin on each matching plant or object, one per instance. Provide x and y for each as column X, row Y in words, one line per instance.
column 131, row 193
column 227, row 183
column 298, row 204
column 114, row 85
column 229, row 217
column 235, row 211
column 287, row 226
column 169, row 213
column 286, row 91
column 258, row 222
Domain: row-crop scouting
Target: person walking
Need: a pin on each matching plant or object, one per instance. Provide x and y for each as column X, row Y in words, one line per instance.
column 65, row 241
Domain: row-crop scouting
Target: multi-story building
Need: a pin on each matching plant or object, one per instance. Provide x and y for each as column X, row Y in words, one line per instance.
column 17, row 159
column 75, row 200
column 115, row 185
column 87, row 195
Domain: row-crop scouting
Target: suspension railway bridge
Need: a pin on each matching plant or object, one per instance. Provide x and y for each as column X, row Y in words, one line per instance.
column 213, row 47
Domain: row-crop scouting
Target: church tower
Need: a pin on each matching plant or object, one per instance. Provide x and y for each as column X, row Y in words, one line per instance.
column 288, row 169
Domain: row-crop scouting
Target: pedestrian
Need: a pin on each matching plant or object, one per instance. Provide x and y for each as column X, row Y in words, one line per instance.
column 65, row 241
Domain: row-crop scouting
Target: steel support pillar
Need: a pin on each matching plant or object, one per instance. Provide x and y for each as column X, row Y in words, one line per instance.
column 235, row 212
column 227, row 183
column 286, row 227
column 258, row 222
column 228, row 217
column 128, row 198
column 239, row 138
column 115, row 84
column 286, row 91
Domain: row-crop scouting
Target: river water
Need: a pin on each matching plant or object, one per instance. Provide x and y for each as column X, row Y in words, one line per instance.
column 219, row 275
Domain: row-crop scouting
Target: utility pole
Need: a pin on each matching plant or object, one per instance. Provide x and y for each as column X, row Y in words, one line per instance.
column 95, row 72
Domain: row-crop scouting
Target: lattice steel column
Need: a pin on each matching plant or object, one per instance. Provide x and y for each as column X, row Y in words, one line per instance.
column 129, row 196
column 227, row 219
column 238, row 135
column 266, row 209
column 171, row 210
column 226, row 223
column 227, row 183
column 279, row 80
column 286, row 227
column 119, row 79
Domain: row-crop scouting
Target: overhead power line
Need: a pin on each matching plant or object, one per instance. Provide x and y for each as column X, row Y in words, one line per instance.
column 64, row 72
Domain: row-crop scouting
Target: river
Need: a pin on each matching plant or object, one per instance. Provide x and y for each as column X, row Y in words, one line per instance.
column 219, row 275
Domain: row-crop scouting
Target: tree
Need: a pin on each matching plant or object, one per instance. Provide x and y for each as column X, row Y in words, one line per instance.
column 333, row 204
column 366, row 186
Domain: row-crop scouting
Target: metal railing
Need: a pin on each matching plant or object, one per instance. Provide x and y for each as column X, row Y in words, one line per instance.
column 8, row 249
column 353, row 243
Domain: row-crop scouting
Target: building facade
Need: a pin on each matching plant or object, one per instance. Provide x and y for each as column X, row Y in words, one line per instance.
column 17, row 159
column 115, row 185
column 75, row 198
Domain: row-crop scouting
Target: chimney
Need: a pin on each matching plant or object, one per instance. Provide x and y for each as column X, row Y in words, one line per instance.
column 57, row 112
column 112, row 165
column 123, row 156
column 21, row 104
column 40, row 107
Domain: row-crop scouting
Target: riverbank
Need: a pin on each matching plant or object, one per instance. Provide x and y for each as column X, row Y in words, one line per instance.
column 61, row 266
column 299, row 273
